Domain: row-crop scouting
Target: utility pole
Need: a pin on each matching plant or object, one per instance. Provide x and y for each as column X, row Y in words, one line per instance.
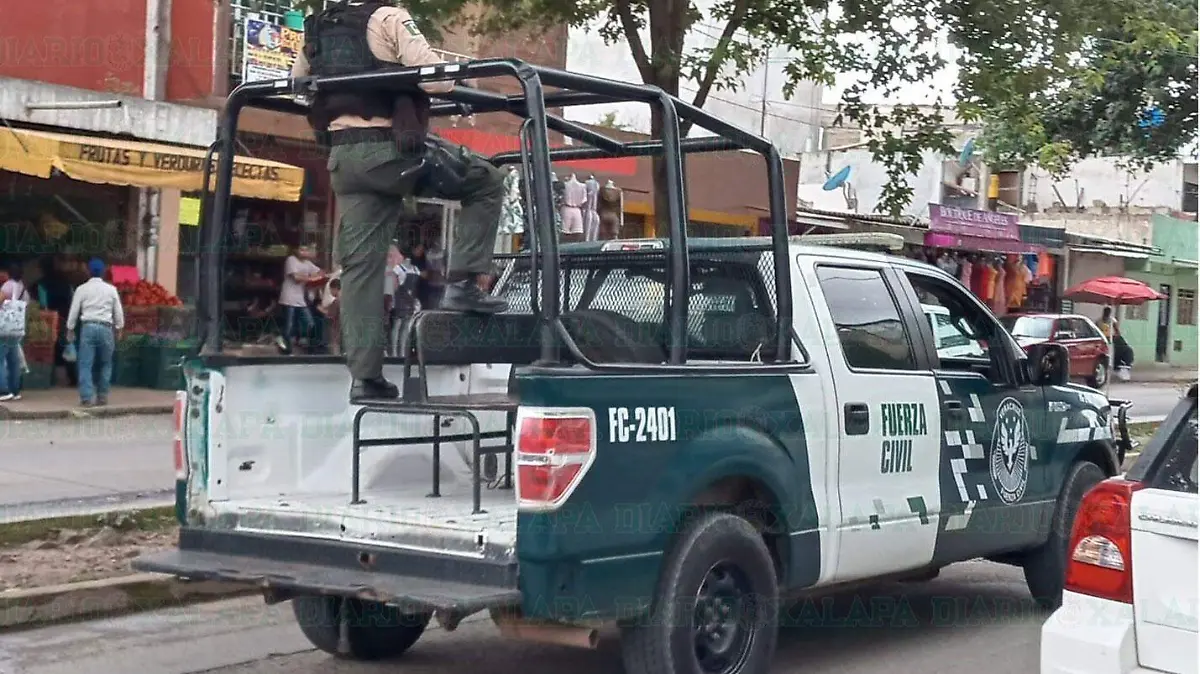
column 762, row 123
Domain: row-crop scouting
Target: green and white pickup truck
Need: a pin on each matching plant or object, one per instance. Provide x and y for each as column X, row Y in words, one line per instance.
column 673, row 436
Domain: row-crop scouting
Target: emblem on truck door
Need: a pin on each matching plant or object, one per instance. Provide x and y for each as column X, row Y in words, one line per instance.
column 641, row 424
column 1010, row 451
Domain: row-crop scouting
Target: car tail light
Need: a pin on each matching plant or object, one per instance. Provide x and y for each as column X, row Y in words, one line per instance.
column 181, row 462
column 1100, row 556
column 555, row 448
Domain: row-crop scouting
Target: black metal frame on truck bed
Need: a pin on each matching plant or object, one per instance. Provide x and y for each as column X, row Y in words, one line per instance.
column 535, row 157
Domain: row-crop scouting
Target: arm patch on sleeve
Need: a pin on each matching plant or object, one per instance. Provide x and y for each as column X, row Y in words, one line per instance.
column 411, row 27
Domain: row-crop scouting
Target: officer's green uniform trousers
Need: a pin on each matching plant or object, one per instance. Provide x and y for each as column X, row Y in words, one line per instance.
column 368, row 179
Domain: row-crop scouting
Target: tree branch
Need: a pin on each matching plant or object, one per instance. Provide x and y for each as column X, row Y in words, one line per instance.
column 740, row 8
column 629, row 25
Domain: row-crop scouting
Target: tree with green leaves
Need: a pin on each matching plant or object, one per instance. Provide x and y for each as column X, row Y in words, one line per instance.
column 1054, row 80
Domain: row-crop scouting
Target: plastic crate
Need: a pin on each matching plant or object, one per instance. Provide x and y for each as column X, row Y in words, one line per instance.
column 161, row 363
column 39, row 377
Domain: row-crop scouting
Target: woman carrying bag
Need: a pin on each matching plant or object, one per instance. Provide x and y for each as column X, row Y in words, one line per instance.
column 13, row 302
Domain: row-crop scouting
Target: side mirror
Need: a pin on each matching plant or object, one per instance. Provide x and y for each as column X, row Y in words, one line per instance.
column 1049, row 364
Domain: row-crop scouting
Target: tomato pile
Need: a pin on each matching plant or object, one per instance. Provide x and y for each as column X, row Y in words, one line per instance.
column 146, row 294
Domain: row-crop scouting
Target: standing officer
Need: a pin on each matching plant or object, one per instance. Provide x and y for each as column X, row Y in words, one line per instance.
column 380, row 154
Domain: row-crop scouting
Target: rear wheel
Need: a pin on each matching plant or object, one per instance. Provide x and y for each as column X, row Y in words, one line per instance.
column 1046, row 567
column 375, row 631
column 1099, row 376
column 716, row 609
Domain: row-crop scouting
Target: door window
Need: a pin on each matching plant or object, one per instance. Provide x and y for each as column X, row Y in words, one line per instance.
column 951, row 313
column 1178, row 471
column 1083, row 329
column 867, row 319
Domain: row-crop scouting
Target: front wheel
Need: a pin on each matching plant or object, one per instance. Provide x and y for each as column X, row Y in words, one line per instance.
column 375, row 631
column 1046, row 566
column 1099, row 376
column 716, row 607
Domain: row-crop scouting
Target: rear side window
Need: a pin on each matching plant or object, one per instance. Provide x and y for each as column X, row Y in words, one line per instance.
column 867, row 319
column 1178, row 470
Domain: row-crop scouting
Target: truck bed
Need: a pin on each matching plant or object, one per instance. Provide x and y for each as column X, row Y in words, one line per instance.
column 393, row 518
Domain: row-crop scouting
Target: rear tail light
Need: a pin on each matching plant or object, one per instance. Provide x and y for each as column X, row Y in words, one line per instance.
column 1100, row 556
column 181, row 463
column 555, row 448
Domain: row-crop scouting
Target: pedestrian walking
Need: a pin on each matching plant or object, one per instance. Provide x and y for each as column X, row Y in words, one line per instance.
column 298, row 321
column 381, row 153
column 14, row 301
column 96, row 311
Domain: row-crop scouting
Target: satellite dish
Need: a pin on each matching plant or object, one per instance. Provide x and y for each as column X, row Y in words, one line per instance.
column 968, row 151
column 835, row 181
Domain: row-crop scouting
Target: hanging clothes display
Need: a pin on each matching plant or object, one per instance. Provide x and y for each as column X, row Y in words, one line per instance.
column 573, row 201
column 1017, row 281
column 591, row 219
column 999, row 289
column 611, row 207
column 512, row 213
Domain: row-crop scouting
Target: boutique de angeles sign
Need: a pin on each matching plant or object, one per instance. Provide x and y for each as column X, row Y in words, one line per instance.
column 970, row 222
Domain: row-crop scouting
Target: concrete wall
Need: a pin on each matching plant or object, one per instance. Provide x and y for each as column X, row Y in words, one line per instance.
column 101, row 45
column 793, row 124
column 1142, row 333
column 1099, row 183
column 868, row 180
column 1132, row 227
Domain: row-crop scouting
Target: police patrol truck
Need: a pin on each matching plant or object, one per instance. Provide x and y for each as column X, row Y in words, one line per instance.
column 663, row 435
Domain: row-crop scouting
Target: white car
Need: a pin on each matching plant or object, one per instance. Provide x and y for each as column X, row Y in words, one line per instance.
column 1130, row 598
column 952, row 340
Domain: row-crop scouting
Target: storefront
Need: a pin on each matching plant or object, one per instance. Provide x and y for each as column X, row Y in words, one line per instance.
column 67, row 198
column 985, row 250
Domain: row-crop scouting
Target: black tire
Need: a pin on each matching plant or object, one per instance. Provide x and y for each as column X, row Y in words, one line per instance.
column 1100, row 374
column 1046, row 567
column 715, row 551
column 376, row 631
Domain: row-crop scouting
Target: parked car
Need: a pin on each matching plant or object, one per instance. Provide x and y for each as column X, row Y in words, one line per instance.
column 1085, row 343
column 1130, row 598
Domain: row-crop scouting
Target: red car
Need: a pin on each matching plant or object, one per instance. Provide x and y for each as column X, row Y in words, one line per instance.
column 1086, row 346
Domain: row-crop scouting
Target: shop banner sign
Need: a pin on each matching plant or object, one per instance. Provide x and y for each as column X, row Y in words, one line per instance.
column 970, row 222
column 268, row 50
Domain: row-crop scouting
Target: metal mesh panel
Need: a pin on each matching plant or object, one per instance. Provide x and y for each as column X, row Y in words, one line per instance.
column 729, row 293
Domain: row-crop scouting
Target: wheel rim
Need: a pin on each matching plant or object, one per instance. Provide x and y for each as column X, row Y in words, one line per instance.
column 1101, row 373
column 723, row 621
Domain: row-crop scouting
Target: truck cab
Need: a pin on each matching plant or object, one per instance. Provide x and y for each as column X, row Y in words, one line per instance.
column 665, row 435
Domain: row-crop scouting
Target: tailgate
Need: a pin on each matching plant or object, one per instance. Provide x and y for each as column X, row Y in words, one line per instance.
column 1164, row 579
column 289, row 565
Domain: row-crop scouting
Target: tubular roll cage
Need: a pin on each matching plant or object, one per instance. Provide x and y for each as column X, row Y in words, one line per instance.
column 535, row 158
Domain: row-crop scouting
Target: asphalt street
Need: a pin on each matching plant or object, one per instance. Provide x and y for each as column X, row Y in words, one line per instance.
column 67, row 466
column 977, row 617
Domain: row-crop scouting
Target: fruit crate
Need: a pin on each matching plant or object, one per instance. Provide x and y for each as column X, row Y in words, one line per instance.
column 162, row 360
column 141, row 320
column 127, row 368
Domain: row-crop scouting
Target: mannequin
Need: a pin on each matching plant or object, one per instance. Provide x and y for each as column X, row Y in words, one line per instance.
column 512, row 214
column 556, row 189
column 610, row 207
column 591, row 219
column 574, row 199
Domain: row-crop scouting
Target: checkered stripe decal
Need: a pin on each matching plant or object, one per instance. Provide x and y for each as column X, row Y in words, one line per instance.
column 1097, row 428
column 964, row 442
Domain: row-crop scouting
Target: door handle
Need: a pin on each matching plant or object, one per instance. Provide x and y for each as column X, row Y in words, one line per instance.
column 954, row 408
column 857, row 419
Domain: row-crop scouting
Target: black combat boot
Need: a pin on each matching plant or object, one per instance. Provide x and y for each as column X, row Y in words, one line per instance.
column 466, row 297
column 374, row 388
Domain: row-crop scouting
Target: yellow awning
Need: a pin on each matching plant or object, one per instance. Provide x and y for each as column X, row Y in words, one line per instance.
column 138, row 164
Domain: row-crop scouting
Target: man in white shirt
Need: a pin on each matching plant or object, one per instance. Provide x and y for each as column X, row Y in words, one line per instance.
column 298, row 270
column 96, row 311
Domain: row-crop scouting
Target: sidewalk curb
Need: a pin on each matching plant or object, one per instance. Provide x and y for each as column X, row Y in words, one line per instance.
column 8, row 413
column 88, row 600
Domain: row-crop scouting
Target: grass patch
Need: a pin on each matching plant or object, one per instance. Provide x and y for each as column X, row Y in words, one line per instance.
column 1143, row 429
column 152, row 519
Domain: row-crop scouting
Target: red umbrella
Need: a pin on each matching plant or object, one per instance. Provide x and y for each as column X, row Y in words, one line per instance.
column 1112, row 290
